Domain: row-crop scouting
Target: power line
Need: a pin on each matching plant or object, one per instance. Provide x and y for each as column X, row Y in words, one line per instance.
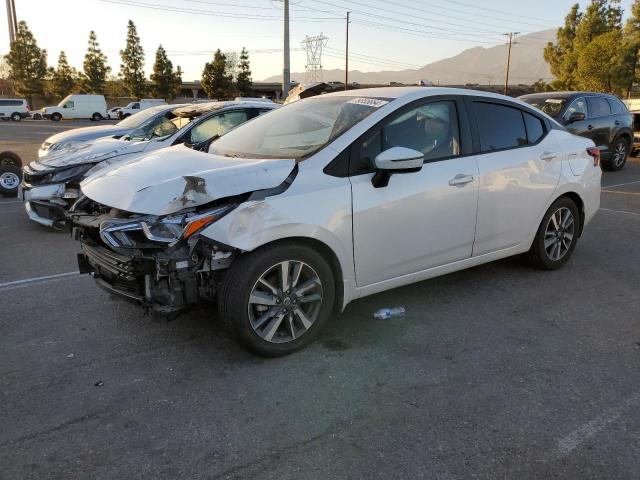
column 136, row 3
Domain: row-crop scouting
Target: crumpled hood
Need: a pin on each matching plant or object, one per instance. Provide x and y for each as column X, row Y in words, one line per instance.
column 169, row 180
column 89, row 152
column 87, row 133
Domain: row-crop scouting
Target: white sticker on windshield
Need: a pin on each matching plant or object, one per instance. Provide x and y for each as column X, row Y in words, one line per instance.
column 370, row 102
column 553, row 100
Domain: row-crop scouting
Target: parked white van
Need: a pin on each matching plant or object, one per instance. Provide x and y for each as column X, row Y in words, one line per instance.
column 13, row 109
column 135, row 107
column 78, row 106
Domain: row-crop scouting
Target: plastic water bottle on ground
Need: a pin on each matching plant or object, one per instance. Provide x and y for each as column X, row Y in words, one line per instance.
column 387, row 313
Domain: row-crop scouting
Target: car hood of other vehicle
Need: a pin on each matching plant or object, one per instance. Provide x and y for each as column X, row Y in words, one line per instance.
column 172, row 179
column 87, row 133
column 89, row 152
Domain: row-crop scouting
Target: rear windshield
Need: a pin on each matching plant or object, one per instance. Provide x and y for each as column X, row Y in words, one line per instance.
column 297, row 130
column 550, row 106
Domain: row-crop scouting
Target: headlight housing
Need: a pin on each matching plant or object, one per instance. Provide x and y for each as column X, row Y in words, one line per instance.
column 69, row 173
column 154, row 231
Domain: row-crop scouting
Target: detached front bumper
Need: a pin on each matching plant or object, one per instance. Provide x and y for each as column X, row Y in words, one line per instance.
column 46, row 204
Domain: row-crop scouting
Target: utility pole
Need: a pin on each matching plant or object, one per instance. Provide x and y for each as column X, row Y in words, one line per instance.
column 511, row 35
column 346, row 57
column 286, row 70
column 11, row 17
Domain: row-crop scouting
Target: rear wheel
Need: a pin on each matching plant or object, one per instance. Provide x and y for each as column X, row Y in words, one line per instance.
column 96, row 117
column 557, row 236
column 16, row 117
column 56, row 117
column 277, row 299
column 618, row 157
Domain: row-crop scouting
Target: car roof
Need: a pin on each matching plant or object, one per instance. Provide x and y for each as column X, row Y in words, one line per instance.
column 565, row 95
column 417, row 92
column 197, row 109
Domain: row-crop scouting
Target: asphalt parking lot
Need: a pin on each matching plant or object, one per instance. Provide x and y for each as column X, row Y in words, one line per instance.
column 500, row 371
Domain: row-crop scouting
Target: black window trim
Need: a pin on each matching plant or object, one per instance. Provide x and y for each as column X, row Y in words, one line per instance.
column 547, row 125
column 335, row 169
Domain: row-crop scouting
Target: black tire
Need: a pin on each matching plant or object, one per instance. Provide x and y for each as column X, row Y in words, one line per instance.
column 243, row 275
column 16, row 117
column 10, row 178
column 96, row 117
column 10, row 159
column 56, row 117
column 538, row 255
column 619, row 155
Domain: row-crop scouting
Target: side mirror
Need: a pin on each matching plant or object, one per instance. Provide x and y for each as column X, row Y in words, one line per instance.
column 395, row 160
column 576, row 117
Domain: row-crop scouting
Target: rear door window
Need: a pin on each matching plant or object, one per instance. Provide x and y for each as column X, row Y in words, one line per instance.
column 499, row 126
column 598, row 107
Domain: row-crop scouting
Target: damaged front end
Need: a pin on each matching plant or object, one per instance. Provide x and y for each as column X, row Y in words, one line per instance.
column 160, row 263
column 48, row 192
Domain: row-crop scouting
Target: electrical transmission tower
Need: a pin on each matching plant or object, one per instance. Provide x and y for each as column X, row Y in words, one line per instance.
column 313, row 46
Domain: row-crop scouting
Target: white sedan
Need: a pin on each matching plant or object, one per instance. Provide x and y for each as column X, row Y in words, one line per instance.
column 293, row 215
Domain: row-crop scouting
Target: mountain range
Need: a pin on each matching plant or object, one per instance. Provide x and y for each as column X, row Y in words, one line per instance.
column 480, row 65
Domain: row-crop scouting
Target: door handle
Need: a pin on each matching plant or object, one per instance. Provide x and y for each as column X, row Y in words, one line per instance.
column 617, row 122
column 460, row 180
column 590, row 127
column 548, row 156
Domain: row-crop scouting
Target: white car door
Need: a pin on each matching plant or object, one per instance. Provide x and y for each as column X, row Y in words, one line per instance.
column 422, row 219
column 520, row 164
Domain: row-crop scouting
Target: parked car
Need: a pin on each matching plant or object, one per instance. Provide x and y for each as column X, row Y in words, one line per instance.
column 600, row 117
column 50, row 184
column 62, row 140
column 113, row 113
column 10, row 173
column 135, row 107
column 13, row 109
column 78, row 106
column 293, row 215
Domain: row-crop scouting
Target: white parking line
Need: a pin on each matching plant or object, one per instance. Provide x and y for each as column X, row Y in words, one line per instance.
column 27, row 281
column 620, row 184
column 576, row 438
column 10, row 202
column 620, row 211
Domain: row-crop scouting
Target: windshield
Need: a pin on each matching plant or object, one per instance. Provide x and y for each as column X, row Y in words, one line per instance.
column 550, row 106
column 298, row 129
column 137, row 119
column 161, row 126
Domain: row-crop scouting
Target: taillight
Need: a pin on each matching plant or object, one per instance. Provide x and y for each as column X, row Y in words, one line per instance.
column 594, row 152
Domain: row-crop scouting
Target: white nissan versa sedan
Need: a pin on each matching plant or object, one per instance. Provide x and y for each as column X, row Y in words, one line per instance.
column 293, row 215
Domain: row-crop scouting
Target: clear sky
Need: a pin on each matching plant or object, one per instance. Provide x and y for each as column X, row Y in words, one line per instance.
column 384, row 35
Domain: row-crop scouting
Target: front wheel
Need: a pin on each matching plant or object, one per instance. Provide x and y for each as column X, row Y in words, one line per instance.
column 16, row 117
column 557, row 236
column 56, row 117
column 10, row 177
column 277, row 299
column 619, row 156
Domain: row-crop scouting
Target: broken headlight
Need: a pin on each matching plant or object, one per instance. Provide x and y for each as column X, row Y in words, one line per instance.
column 167, row 230
column 69, row 173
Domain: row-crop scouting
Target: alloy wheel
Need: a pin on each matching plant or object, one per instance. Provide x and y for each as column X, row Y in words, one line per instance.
column 559, row 234
column 620, row 153
column 285, row 301
column 9, row 180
